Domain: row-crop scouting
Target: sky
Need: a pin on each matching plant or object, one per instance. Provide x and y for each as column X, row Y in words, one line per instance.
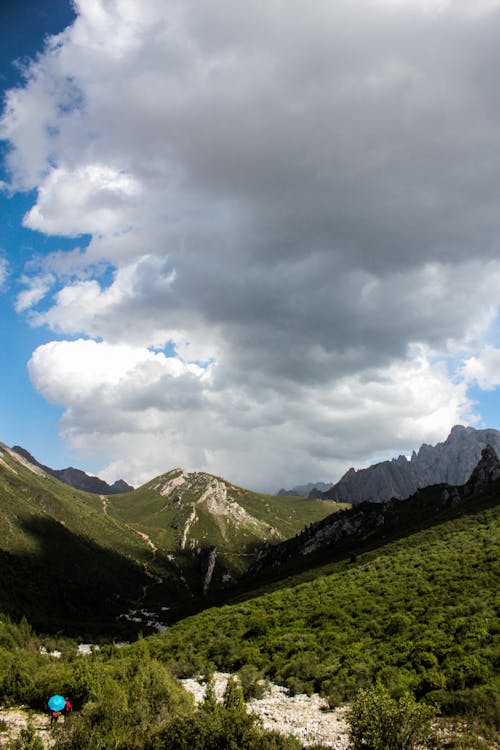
column 255, row 239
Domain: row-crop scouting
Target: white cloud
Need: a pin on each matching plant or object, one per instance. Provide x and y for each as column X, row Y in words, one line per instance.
column 158, row 412
column 483, row 370
column 291, row 194
column 91, row 199
column 38, row 288
column 4, row 272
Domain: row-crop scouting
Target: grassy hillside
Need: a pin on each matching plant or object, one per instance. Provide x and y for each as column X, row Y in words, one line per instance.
column 187, row 515
column 66, row 564
column 419, row 612
column 76, row 561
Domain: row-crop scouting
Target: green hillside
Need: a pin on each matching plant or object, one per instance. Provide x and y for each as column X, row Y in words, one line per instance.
column 192, row 516
column 80, row 562
column 66, row 564
column 418, row 613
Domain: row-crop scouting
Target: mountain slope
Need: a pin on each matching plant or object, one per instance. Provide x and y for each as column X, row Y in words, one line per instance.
column 65, row 563
column 417, row 610
column 73, row 559
column 76, row 477
column 210, row 527
column 368, row 523
column 449, row 462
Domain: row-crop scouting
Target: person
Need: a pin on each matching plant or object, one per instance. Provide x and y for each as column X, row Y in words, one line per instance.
column 54, row 715
column 67, row 707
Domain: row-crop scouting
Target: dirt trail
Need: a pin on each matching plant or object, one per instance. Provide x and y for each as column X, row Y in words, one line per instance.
column 104, row 502
column 145, row 538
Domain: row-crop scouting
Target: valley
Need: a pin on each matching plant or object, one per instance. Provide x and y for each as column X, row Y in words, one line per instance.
column 400, row 595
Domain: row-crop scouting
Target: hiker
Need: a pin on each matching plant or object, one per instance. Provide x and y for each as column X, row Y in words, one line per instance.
column 54, row 715
column 67, row 707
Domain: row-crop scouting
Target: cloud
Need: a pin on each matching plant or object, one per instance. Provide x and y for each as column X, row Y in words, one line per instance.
column 38, row 288
column 156, row 412
column 4, row 272
column 301, row 204
column 483, row 370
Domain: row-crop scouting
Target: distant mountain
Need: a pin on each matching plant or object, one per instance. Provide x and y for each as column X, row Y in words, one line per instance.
column 450, row 462
column 77, row 478
column 366, row 522
column 210, row 527
column 303, row 490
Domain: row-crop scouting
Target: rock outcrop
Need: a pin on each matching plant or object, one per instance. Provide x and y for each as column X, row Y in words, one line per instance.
column 365, row 520
column 450, row 462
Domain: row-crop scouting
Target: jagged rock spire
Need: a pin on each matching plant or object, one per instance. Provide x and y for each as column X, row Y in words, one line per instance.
column 487, row 470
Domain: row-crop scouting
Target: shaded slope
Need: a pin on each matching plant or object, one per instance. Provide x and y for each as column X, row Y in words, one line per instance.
column 65, row 563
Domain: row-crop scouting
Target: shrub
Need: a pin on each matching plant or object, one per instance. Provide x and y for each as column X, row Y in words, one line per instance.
column 28, row 739
column 379, row 722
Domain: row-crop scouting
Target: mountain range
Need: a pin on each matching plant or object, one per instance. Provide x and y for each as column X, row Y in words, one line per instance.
column 358, row 526
column 89, row 559
column 77, row 478
column 398, row 593
column 85, row 559
column 451, row 461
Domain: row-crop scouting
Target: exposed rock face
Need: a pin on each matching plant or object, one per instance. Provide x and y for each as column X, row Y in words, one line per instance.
column 76, row 477
column 487, row 470
column 203, row 492
column 363, row 520
column 450, row 462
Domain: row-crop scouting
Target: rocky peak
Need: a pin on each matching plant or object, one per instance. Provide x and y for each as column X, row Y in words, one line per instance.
column 487, row 470
column 450, row 462
column 363, row 520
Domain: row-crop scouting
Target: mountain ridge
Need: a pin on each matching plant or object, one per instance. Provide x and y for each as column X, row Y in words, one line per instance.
column 370, row 519
column 77, row 478
column 450, row 462
column 135, row 555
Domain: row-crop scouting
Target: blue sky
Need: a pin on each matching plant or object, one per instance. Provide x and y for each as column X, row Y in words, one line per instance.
column 26, row 418
column 257, row 243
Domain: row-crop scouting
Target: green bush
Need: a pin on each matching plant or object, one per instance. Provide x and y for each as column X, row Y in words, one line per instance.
column 28, row 739
column 379, row 722
column 220, row 726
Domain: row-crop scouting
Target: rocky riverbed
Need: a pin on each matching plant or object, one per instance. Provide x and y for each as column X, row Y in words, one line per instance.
column 13, row 720
column 305, row 717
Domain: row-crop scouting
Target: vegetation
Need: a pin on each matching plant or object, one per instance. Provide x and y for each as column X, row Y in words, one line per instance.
column 76, row 562
column 418, row 615
column 408, row 622
column 379, row 722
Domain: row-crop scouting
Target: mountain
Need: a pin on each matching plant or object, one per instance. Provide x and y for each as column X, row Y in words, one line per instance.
column 66, row 565
column 76, row 561
column 210, row 527
column 412, row 606
column 366, row 521
column 303, row 490
column 77, row 478
column 451, row 462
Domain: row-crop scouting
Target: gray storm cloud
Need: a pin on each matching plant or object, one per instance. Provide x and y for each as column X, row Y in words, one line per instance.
column 302, row 200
